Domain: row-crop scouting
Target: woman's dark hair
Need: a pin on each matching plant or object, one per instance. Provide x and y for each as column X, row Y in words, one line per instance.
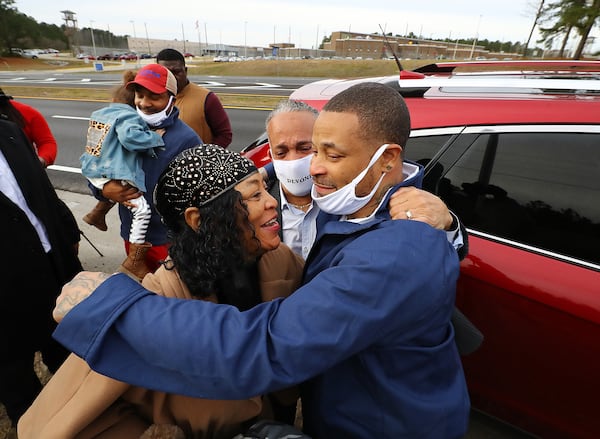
column 121, row 93
column 213, row 260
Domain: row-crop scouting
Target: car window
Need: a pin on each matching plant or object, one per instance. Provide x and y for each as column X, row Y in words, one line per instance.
column 539, row 189
column 425, row 149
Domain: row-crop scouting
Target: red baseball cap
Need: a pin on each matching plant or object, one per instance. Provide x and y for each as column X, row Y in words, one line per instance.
column 156, row 78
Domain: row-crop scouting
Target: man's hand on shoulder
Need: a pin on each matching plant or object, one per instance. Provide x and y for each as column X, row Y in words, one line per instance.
column 80, row 287
column 420, row 205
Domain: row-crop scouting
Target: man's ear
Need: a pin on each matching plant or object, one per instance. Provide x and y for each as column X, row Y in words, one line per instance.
column 192, row 218
column 392, row 157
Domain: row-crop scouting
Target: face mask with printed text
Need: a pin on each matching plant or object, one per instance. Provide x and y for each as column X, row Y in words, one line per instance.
column 294, row 175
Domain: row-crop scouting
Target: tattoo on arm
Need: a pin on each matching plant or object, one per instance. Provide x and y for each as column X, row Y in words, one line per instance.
column 76, row 291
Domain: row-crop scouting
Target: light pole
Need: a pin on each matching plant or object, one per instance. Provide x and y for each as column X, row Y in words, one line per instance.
column 245, row 43
column 134, row 43
column 476, row 37
column 147, row 39
column 199, row 41
column 205, row 38
column 93, row 42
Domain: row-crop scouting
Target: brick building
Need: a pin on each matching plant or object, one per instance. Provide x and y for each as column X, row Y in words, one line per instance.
column 358, row 45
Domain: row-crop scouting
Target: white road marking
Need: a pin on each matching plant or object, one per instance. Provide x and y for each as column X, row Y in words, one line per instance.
column 65, row 169
column 57, row 116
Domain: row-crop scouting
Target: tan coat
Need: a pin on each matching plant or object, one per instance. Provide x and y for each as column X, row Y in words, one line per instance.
column 79, row 403
column 190, row 102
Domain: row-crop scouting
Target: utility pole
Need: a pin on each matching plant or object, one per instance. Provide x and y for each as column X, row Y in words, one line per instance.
column 147, row 39
column 183, row 35
column 133, row 43
column 476, row 37
column 92, row 31
column 205, row 37
column 199, row 42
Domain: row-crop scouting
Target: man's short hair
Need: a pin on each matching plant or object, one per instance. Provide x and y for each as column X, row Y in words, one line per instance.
column 170, row 55
column 290, row 106
column 382, row 113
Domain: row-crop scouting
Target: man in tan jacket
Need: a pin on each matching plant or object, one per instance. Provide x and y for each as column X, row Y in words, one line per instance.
column 199, row 107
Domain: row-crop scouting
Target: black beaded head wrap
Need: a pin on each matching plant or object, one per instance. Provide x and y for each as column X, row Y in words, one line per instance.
column 197, row 176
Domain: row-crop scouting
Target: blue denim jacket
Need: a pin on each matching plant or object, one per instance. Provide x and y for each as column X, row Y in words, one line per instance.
column 117, row 138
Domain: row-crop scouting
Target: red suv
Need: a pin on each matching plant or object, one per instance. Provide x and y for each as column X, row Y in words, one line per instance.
column 516, row 155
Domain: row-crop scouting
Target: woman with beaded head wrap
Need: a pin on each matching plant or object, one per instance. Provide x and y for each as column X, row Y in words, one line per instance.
column 225, row 247
column 217, row 211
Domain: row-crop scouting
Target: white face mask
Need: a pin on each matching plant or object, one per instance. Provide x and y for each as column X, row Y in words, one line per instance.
column 294, row 175
column 156, row 118
column 344, row 201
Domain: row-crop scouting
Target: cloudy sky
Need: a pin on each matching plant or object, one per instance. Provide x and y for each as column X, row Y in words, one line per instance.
column 301, row 22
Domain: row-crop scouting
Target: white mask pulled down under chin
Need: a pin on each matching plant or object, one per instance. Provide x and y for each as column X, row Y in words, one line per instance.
column 294, row 175
column 157, row 118
column 344, row 200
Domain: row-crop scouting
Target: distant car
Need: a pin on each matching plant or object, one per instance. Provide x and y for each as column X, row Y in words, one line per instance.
column 85, row 56
column 146, row 56
column 515, row 154
column 30, row 53
column 106, row 56
column 129, row 57
column 52, row 51
column 188, row 55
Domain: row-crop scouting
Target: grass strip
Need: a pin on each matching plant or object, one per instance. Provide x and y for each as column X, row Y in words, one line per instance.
column 103, row 95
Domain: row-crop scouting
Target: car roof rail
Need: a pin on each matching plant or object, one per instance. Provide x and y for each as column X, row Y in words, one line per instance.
column 557, row 66
column 417, row 83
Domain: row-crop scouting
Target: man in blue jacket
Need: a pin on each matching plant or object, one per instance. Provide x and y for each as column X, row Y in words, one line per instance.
column 368, row 334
